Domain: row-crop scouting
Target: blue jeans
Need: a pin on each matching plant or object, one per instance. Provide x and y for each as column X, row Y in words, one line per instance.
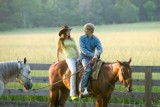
column 71, row 62
column 85, row 62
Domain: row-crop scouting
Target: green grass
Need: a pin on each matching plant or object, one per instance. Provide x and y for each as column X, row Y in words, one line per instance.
column 138, row 40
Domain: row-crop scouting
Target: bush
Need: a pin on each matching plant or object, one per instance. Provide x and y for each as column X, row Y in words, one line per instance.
column 5, row 27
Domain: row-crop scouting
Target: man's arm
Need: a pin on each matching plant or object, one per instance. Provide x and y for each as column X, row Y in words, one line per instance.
column 99, row 48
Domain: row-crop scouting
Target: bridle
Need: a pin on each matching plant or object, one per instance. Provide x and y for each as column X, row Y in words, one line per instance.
column 21, row 74
column 125, row 79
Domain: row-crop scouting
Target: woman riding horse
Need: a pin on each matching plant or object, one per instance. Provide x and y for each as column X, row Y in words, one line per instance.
column 101, row 88
column 67, row 45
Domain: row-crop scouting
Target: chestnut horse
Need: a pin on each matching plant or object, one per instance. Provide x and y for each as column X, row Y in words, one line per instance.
column 101, row 88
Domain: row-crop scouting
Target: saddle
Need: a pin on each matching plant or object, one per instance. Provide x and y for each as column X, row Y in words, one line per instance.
column 94, row 73
column 80, row 72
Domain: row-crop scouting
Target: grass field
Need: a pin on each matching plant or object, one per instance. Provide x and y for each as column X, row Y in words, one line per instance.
column 138, row 40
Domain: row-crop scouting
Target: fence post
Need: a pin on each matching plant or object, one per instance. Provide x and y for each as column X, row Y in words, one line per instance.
column 148, row 87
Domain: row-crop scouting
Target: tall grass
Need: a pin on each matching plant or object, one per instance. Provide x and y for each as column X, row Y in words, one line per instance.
column 139, row 41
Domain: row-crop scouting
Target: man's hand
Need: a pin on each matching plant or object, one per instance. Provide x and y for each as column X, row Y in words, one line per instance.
column 93, row 60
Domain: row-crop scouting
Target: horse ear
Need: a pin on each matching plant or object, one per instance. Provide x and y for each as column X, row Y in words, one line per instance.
column 119, row 62
column 25, row 60
column 129, row 60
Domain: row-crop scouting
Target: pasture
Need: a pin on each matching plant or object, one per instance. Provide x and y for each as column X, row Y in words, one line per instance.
column 138, row 40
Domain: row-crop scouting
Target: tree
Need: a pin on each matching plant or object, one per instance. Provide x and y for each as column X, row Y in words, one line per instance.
column 157, row 11
column 65, row 12
column 107, row 13
column 96, row 12
column 6, row 10
column 150, row 8
column 24, row 12
column 49, row 13
column 84, row 9
column 125, row 11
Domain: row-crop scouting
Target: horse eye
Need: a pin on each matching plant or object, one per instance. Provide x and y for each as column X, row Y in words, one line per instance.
column 29, row 72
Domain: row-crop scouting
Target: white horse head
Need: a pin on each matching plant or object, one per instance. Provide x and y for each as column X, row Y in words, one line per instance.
column 24, row 76
column 20, row 70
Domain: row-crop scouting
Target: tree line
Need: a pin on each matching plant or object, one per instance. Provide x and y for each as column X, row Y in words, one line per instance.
column 16, row 14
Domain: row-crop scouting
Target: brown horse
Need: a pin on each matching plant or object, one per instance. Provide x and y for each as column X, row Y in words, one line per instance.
column 101, row 88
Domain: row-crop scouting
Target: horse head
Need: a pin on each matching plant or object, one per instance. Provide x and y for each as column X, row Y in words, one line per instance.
column 24, row 76
column 125, row 74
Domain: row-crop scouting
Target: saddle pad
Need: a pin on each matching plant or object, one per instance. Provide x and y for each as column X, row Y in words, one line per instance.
column 96, row 69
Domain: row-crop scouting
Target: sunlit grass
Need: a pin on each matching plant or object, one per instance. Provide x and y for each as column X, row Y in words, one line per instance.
column 40, row 73
column 140, row 44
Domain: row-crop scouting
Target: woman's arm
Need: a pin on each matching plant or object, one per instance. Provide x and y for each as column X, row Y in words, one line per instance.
column 59, row 50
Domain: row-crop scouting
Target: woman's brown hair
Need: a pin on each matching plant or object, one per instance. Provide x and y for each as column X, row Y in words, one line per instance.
column 62, row 38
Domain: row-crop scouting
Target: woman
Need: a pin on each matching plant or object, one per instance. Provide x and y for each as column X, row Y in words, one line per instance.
column 67, row 45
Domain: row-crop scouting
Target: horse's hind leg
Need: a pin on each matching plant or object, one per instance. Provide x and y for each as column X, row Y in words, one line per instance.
column 106, row 101
column 1, row 87
column 64, row 96
column 99, row 101
column 54, row 98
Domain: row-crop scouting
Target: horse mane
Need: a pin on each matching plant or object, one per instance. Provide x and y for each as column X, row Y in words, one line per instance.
column 123, row 63
column 8, row 70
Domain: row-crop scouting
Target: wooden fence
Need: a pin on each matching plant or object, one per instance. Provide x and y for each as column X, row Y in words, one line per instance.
column 147, row 95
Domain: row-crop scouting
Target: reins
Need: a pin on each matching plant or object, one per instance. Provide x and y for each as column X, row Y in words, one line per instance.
column 113, row 86
column 61, row 79
column 124, row 80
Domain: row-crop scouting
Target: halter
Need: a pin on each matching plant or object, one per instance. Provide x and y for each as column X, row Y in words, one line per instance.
column 21, row 74
column 124, row 77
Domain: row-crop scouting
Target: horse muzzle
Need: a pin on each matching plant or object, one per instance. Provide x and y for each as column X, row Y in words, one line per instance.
column 28, row 85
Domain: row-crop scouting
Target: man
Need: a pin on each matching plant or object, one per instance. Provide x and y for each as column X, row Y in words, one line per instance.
column 90, row 51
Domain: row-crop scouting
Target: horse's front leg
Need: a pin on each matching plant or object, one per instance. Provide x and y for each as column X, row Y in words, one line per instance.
column 1, row 87
column 99, row 101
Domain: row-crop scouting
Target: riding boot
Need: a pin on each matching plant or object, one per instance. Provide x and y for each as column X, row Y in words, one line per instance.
column 85, row 93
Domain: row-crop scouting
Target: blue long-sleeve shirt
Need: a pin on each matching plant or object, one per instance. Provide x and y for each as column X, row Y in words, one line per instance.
column 90, row 46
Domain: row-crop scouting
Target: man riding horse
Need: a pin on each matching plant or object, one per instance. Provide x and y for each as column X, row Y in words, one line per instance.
column 88, row 44
column 101, row 88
